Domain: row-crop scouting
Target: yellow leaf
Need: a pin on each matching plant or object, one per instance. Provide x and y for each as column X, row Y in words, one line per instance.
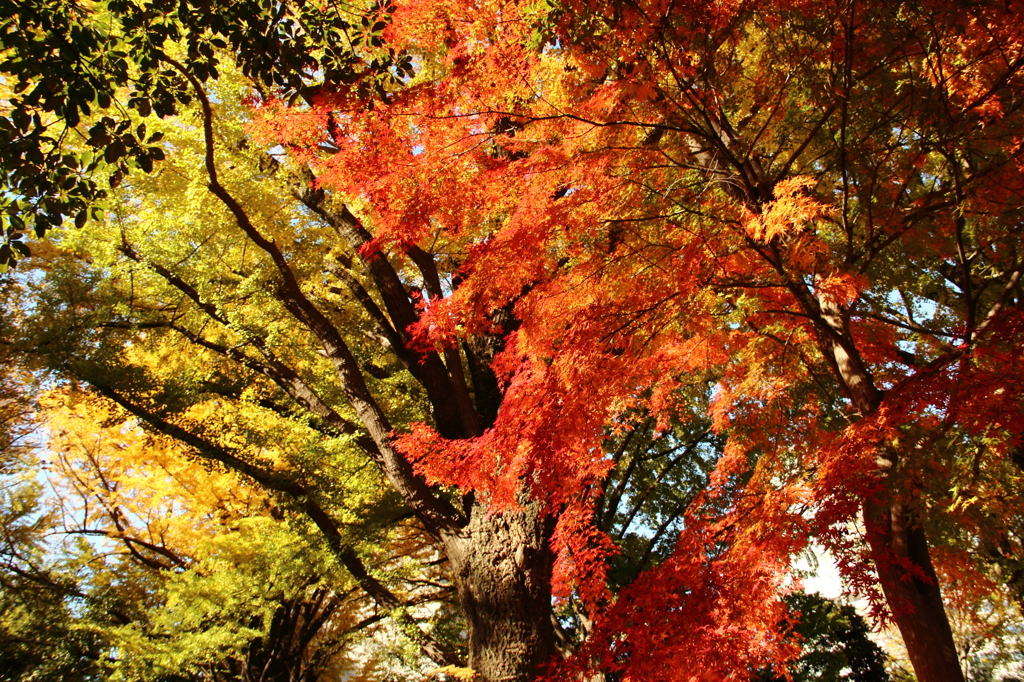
column 464, row 674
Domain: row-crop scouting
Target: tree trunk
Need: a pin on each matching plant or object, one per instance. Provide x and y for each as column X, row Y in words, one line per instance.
column 915, row 600
column 501, row 564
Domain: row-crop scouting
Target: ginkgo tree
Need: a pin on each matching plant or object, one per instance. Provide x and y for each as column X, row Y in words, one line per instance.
column 505, row 233
column 132, row 562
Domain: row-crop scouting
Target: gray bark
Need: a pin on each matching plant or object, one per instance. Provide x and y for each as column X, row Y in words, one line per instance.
column 501, row 565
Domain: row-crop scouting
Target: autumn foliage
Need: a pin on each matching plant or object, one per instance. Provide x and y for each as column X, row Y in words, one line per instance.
column 804, row 214
column 813, row 203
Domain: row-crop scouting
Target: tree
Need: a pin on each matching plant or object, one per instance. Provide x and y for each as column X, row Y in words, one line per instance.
column 149, row 567
column 66, row 60
column 835, row 642
column 554, row 218
column 797, row 215
column 35, row 637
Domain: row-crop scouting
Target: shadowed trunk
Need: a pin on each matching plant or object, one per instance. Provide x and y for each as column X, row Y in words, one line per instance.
column 914, row 598
column 912, row 593
column 501, row 564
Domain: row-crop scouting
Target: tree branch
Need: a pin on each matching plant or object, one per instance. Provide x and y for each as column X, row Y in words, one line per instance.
column 436, row 514
column 325, row 524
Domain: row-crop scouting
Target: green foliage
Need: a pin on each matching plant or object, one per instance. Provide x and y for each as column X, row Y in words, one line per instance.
column 69, row 68
column 835, row 643
column 656, row 478
column 223, row 611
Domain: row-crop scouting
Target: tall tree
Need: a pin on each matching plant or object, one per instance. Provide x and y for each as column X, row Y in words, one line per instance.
column 820, row 199
column 554, row 218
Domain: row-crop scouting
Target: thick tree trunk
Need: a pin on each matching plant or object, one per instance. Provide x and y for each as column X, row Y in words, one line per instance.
column 915, row 599
column 501, row 564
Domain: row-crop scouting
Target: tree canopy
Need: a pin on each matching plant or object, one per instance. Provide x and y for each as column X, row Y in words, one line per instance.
column 593, row 313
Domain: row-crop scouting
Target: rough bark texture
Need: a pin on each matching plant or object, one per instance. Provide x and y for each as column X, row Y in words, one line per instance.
column 915, row 598
column 501, row 564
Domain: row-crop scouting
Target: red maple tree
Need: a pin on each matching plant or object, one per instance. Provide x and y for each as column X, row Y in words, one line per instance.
column 816, row 203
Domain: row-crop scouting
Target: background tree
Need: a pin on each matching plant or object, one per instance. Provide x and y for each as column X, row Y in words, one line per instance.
column 35, row 637
column 149, row 567
column 835, row 643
